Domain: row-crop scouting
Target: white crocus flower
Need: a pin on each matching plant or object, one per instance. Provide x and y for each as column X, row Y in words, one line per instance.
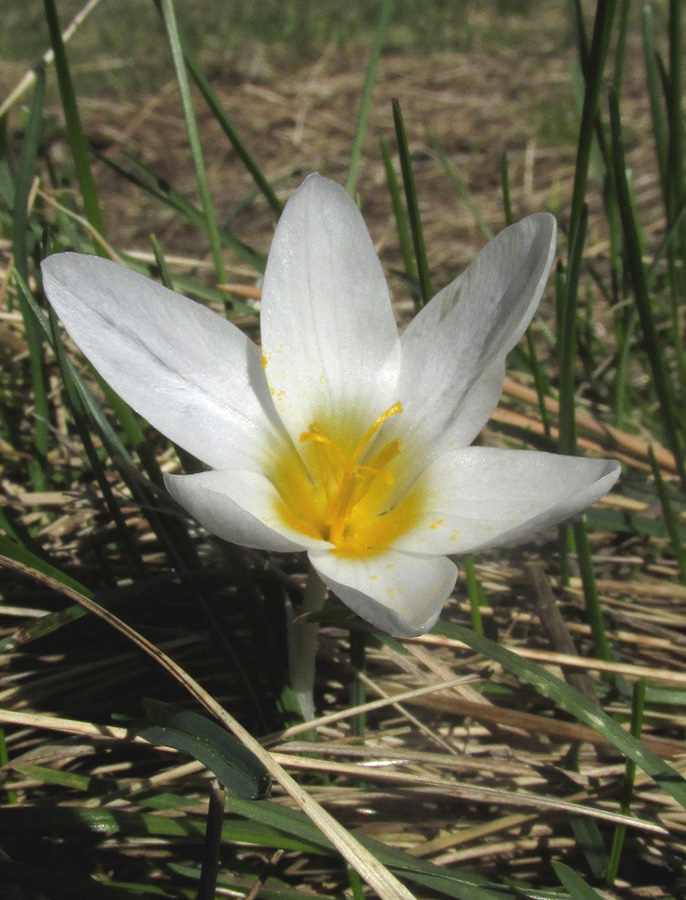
column 340, row 437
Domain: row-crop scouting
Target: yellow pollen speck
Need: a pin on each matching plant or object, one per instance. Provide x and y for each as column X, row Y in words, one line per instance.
column 345, row 487
column 437, row 523
column 263, row 360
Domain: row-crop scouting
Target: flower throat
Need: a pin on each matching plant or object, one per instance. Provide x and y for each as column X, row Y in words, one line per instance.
column 340, row 497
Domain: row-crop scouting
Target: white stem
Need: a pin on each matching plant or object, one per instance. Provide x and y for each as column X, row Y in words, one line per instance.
column 302, row 648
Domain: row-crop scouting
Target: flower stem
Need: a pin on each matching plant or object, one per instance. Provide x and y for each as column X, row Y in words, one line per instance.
column 303, row 645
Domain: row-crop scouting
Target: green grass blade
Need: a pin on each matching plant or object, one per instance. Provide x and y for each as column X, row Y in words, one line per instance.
column 574, row 883
column 20, row 234
column 670, row 518
column 401, row 224
column 367, row 91
column 227, row 127
column 24, row 179
column 569, row 699
column 657, row 111
column 540, row 381
column 147, row 180
column 505, row 184
column 567, row 331
column 449, row 169
column 637, row 705
column 576, row 15
column 594, row 609
column 473, row 590
column 205, row 740
column 593, row 72
column 620, row 46
column 661, row 381
column 675, row 116
column 77, row 141
column 426, row 291
column 210, row 222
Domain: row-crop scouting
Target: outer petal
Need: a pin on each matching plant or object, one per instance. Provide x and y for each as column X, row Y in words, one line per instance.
column 188, row 371
column 481, row 496
column 328, row 333
column 239, row 506
column 453, row 351
column 400, row 593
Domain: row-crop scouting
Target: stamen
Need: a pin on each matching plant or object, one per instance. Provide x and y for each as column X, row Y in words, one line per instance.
column 373, row 428
column 345, row 481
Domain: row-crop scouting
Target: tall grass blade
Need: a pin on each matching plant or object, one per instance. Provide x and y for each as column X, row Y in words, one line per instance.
column 657, row 111
column 675, row 116
column 449, row 169
column 426, row 291
column 661, row 381
column 155, row 186
column 637, row 705
column 593, row 73
column 169, row 18
column 594, row 609
column 401, row 223
column 20, row 239
column 227, row 127
column 567, row 337
column 669, row 516
column 24, row 178
column 620, row 46
column 77, row 140
column 367, row 91
column 505, row 183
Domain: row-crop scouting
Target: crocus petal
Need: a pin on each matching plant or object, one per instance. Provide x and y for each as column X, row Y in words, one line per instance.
column 329, row 337
column 188, row 371
column 239, row 506
column 481, row 496
column 400, row 593
column 453, row 351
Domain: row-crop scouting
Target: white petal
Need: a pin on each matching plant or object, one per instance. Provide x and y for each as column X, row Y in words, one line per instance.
column 400, row 593
column 328, row 333
column 240, row 506
column 453, row 351
column 188, row 371
column 478, row 497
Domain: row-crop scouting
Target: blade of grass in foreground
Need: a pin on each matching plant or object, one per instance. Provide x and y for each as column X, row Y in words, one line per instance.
column 20, row 234
column 593, row 74
column 574, row 883
column 574, row 703
column 226, row 125
column 169, row 18
column 661, row 381
column 638, row 702
column 401, row 225
column 412, row 206
column 77, row 141
column 366, row 103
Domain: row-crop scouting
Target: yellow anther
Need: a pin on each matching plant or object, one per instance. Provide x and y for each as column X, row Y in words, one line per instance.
column 374, row 427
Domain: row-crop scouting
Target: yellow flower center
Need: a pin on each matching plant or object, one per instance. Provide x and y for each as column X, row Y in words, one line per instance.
column 344, row 491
